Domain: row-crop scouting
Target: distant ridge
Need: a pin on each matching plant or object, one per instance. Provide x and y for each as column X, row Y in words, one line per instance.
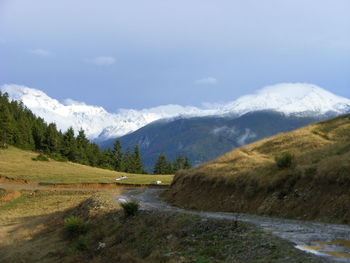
column 300, row 99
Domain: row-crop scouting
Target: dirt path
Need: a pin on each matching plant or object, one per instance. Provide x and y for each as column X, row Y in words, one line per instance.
column 330, row 241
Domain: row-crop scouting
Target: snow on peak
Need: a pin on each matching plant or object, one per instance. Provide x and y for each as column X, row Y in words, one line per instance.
column 96, row 121
column 288, row 98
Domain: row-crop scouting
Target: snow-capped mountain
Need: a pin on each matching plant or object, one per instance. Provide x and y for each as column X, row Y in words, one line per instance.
column 96, row 121
column 288, row 98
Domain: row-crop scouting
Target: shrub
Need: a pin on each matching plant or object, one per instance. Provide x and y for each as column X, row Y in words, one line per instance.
column 286, row 160
column 131, row 208
column 74, row 226
column 57, row 157
column 41, row 158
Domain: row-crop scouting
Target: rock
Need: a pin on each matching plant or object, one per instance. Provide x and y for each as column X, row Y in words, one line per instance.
column 101, row 245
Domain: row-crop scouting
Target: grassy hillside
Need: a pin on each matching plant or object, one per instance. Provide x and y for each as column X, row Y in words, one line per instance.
column 18, row 164
column 248, row 179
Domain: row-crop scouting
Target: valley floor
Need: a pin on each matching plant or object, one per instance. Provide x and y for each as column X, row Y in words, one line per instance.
column 32, row 231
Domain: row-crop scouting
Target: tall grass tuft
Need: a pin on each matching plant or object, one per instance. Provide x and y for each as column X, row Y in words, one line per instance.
column 286, row 160
column 74, row 226
column 131, row 208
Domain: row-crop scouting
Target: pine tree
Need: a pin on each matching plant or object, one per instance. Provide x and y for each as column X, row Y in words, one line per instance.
column 169, row 168
column 6, row 127
column 117, row 155
column 52, row 140
column 161, row 165
column 69, row 146
column 106, row 159
column 93, row 154
column 127, row 161
column 82, row 147
column 137, row 165
column 187, row 164
column 178, row 163
column 38, row 129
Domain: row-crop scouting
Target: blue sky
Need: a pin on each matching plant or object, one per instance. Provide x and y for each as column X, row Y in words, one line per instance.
column 137, row 54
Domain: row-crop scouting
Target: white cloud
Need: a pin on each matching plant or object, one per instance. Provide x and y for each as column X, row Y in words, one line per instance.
column 41, row 52
column 231, row 131
column 206, row 81
column 247, row 135
column 101, row 61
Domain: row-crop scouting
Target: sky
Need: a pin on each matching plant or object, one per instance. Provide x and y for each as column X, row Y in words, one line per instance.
column 145, row 53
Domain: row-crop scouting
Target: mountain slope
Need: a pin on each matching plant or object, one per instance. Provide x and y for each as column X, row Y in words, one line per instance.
column 204, row 138
column 248, row 179
column 299, row 99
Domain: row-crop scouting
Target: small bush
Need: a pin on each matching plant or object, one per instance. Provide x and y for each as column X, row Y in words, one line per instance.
column 41, row 158
column 74, row 226
column 57, row 157
column 286, row 160
column 131, row 208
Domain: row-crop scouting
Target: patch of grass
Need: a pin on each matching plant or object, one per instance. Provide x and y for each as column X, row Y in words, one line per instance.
column 16, row 163
column 41, row 158
column 14, row 203
column 74, row 227
column 286, row 160
column 2, row 192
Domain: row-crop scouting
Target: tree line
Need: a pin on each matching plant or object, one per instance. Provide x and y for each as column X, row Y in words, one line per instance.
column 21, row 128
column 163, row 166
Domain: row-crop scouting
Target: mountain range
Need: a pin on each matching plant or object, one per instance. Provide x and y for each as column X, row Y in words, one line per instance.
column 289, row 98
column 200, row 133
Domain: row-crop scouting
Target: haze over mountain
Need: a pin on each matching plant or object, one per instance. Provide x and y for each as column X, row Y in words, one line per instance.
column 297, row 99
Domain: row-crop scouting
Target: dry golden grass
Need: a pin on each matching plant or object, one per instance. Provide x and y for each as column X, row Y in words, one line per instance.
column 319, row 143
column 35, row 219
column 16, row 163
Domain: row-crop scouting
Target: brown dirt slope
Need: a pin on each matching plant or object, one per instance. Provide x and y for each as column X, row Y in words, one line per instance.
column 248, row 180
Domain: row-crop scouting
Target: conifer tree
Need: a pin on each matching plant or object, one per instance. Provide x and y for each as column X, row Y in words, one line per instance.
column 169, row 169
column 38, row 129
column 178, row 163
column 161, row 165
column 82, row 147
column 69, row 146
column 51, row 139
column 127, row 161
column 137, row 165
column 187, row 164
column 117, row 155
column 5, row 126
